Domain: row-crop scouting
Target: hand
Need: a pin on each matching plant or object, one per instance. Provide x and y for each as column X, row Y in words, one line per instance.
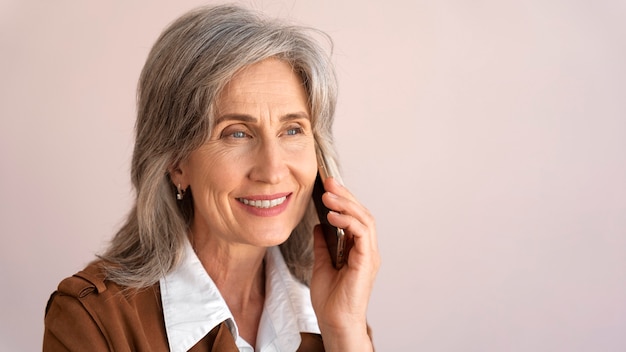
column 340, row 297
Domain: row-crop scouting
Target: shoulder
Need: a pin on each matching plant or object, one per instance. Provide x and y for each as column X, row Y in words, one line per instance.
column 88, row 286
column 91, row 280
column 67, row 320
column 88, row 305
column 91, row 289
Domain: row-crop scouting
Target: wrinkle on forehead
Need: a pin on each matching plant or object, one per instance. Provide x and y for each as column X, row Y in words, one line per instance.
column 269, row 82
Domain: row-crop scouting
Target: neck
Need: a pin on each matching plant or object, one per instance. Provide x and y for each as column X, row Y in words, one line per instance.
column 239, row 274
column 237, row 270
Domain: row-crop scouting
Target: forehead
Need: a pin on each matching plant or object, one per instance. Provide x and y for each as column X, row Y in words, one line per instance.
column 271, row 81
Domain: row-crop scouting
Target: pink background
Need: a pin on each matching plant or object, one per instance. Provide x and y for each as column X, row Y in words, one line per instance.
column 488, row 138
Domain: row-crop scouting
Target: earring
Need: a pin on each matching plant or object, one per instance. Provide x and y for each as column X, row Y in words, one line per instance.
column 180, row 193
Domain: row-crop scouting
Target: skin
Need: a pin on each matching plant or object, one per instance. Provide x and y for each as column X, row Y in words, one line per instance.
column 340, row 297
column 262, row 148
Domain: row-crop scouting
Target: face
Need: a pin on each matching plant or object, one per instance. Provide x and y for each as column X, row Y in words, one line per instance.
column 252, row 180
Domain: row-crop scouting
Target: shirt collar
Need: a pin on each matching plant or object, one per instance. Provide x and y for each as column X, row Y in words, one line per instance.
column 288, row 310
column 193, row 305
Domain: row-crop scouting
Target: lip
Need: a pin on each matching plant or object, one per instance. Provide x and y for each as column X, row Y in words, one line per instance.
column 265, row 212
column 267, row 196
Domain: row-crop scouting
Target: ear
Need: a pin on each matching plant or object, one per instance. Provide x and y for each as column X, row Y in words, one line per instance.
column 177, row 175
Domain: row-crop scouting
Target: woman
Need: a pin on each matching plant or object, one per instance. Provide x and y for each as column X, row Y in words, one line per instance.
column 220, row 251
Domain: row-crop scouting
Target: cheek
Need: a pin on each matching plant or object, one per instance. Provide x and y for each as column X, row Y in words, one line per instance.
column 212, row 171
column 307, row 168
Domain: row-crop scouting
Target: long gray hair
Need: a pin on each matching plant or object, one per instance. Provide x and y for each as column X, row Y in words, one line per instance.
column 187, row 68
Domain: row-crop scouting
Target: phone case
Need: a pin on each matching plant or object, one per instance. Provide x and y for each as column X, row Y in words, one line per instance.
column 335, row 237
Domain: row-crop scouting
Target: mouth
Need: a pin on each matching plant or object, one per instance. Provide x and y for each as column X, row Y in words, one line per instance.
column 263, row 203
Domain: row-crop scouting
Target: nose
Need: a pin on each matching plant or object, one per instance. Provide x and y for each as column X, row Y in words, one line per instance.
column 269, row 164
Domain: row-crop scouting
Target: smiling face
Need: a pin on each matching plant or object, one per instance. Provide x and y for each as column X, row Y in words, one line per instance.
column 252, row 180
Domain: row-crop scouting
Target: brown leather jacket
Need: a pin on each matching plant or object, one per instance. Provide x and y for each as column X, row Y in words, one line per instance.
column 89, row 313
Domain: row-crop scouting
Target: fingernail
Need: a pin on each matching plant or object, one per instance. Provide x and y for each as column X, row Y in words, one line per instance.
column 337, row 182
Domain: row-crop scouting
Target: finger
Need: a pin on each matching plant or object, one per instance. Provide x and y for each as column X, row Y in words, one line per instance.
column 332, row 185
column 349, row 223
column 351, row 216
column 347, row 206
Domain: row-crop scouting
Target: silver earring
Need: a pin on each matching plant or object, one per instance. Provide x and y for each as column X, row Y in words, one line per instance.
column 180, row 193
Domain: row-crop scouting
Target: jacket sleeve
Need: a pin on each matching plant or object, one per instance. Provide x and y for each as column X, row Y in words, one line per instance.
column 68, row 326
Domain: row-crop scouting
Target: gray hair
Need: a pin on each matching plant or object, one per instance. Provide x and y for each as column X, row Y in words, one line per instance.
column 187, row 68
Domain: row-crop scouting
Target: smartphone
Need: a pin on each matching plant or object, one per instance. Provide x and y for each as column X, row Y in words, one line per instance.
column 335, row 237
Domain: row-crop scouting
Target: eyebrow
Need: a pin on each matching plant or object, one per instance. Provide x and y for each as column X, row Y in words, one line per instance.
column 250, row 118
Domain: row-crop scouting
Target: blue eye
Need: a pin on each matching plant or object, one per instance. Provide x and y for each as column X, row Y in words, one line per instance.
column 294, row 131
column 238, row 134
column 234, row 133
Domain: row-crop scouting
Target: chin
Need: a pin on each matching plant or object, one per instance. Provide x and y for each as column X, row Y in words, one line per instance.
column 269, row 238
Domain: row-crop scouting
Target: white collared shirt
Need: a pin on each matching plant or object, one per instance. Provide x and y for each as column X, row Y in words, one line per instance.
column 193, row 306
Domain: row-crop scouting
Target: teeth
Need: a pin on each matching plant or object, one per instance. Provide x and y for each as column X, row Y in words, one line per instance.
column 263, row 203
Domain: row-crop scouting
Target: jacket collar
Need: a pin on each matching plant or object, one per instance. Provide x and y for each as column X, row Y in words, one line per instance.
column 193, row 305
